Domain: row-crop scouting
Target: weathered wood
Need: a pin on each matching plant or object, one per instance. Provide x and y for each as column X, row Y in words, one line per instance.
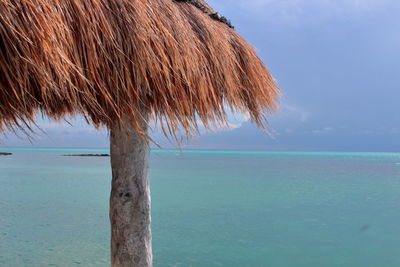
column 130, row 199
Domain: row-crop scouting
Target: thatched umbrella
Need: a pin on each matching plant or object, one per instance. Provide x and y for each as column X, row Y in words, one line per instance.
column 121, row 63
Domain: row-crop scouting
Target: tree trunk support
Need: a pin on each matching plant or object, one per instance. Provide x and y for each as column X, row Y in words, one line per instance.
column 130, row 199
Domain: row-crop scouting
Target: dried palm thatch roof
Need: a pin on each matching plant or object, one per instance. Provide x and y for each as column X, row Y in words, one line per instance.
column 179, row 60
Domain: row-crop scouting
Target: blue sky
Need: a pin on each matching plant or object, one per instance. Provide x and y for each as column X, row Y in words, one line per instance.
column 337, row 62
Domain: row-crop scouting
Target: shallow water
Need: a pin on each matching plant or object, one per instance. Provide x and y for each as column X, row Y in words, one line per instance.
column 210, row 208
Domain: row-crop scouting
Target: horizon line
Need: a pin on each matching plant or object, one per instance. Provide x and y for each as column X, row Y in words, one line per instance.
column 205, row 149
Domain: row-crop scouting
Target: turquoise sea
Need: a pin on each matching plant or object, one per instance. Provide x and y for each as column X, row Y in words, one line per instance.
column 210, row 208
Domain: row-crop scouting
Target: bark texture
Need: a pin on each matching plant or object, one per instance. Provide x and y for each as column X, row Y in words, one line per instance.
column 130, row 199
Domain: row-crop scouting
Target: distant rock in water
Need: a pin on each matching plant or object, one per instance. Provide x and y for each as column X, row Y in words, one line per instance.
column 5, row 154
column 365, row 228
column 87, row 155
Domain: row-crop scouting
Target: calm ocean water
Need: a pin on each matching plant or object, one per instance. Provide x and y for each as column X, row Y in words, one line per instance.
column 210, row 208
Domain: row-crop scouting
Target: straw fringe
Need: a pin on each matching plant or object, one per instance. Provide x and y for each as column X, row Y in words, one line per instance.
column 109, row 60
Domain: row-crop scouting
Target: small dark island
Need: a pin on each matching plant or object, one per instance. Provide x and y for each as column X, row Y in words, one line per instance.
column 87, row 155
column 5, row 154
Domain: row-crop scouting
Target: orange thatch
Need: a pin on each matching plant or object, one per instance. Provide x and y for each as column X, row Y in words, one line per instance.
column 178, row 60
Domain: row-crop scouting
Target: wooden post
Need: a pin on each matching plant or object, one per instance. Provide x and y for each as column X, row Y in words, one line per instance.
column 130, row 199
